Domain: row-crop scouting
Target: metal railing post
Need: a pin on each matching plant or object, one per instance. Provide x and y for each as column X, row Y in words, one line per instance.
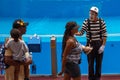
column 53, row 56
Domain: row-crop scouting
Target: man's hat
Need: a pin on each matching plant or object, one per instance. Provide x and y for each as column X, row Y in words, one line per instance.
column 19, row 23
column 95, row 9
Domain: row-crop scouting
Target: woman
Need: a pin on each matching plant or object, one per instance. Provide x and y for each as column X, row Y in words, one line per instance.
column 71, row 50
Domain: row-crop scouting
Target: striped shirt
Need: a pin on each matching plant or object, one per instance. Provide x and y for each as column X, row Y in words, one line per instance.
column 93, row 30
column 74, row 55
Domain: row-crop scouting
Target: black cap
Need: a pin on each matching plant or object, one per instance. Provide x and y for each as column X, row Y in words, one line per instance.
column 19, row 23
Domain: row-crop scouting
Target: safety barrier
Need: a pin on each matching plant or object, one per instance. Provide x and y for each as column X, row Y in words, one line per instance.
column 51, row 64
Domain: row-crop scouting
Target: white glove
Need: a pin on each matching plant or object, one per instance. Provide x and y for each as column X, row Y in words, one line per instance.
column 101, row 49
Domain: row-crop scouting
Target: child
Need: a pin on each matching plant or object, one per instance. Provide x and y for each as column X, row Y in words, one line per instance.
column 18, row 48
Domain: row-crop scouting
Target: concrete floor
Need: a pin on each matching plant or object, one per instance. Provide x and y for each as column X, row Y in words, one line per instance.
column 84, row 77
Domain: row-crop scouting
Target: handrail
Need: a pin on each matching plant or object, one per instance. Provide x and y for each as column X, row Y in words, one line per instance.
column 56, row 35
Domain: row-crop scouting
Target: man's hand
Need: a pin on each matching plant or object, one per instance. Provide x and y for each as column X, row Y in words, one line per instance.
column 101, row 49
column 28, row 60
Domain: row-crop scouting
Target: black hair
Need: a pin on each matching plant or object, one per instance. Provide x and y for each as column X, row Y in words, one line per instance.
column 15, row 34
column 69, row 26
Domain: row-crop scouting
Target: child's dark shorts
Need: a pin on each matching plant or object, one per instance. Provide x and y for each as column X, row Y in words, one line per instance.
column 72, row 69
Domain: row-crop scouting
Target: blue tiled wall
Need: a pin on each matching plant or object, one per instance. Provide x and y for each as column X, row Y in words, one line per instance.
column 56, row 8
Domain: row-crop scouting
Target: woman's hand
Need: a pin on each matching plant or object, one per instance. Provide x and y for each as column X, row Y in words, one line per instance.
column 87, row 49
column 60, row 73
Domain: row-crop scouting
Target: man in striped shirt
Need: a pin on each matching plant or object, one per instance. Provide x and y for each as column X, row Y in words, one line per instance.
column 96, row 34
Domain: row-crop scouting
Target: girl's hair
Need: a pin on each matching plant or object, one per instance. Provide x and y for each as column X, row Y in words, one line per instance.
column 15, row 34
column 69, row 26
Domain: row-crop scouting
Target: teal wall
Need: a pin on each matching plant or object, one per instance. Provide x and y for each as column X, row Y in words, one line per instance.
column 56, row 8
